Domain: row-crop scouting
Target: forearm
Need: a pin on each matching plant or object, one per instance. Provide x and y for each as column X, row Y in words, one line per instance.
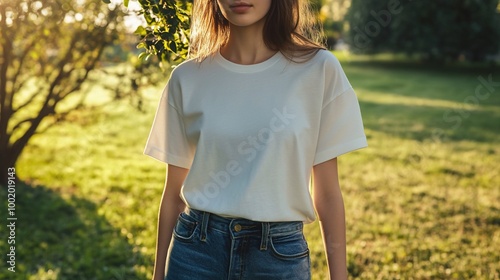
column 330, row 208
column 170, row 206
column 167, row 217
column 332, row 221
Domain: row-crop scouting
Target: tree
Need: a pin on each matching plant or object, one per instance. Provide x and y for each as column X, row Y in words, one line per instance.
column 47, row 51
column 435, row 30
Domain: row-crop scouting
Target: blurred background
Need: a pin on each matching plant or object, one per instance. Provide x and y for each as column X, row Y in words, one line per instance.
column 80, row 81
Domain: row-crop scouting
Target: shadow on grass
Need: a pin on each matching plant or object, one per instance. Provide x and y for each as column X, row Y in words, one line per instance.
column 434, row 68
column 430, row 123
column 60, row 238
column 442, row 83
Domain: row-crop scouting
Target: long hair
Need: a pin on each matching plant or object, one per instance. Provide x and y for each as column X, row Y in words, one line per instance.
column 289, row 27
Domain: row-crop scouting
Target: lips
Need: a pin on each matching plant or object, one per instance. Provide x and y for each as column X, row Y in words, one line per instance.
column 240, row 4
column 240, row 7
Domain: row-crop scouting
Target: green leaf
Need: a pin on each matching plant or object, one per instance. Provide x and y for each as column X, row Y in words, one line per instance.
column 125, row 2
column 142, row 55
column 141, row 31
column 107, row 1
column 142, row 45
column 173, row 46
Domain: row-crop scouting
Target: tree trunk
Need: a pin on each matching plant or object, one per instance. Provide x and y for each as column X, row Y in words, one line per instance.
column 7, row 161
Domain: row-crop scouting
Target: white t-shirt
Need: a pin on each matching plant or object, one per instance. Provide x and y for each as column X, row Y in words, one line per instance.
column 250, row 134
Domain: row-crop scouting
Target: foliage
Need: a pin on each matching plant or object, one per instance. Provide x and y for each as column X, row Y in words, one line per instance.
column 166, row 34
column 435, row 30
column 333, row 30
column 332, row 15
column 334, row 10
column 416, row 207
column 47, row 51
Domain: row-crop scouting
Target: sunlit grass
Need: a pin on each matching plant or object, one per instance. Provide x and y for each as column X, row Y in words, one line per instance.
column 417, row 205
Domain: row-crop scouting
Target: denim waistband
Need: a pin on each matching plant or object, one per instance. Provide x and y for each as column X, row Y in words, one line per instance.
column 239, row 227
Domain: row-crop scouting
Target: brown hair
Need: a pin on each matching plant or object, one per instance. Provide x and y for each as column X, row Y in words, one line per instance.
column 290, row 28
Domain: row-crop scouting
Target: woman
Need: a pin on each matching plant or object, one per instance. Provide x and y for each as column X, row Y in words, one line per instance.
column 241, row 126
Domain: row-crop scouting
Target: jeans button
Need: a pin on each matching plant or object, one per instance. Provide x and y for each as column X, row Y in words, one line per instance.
column 237, row 228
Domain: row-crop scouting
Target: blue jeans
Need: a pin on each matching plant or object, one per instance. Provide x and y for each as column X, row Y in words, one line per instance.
column 210, row 247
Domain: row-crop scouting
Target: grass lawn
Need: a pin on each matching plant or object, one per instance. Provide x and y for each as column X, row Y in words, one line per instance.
column 422, row 202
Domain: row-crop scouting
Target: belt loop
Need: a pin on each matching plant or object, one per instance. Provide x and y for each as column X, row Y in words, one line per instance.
column 265, row 235
column 204, row 226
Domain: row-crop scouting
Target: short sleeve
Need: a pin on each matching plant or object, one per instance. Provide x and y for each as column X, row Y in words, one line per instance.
column 167, row 141
column 341, row 126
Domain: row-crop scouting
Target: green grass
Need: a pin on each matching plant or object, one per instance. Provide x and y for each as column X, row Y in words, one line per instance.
column 423, row 201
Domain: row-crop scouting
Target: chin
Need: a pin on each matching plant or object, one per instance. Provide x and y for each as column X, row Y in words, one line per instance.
column 240, row 22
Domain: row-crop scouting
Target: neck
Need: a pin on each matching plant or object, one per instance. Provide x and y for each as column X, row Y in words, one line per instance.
column 246, row 45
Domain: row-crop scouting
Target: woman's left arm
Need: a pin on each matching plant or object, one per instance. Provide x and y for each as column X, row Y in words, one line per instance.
column 329, row 205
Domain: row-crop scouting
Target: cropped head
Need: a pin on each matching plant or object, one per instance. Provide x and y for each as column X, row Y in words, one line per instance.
column 288, row 26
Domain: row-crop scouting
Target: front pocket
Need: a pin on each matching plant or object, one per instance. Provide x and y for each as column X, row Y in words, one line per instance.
column 292, row 246
column 184, row 229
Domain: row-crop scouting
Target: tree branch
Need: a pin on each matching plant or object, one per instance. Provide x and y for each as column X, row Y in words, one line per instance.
column 61, row 116
column 16, row 87
column 17, row 125
column 52, row 96
column 29, row 101
column 88, row 68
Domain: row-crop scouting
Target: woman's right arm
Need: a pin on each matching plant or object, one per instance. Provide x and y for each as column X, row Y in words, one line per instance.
column 171, row 206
